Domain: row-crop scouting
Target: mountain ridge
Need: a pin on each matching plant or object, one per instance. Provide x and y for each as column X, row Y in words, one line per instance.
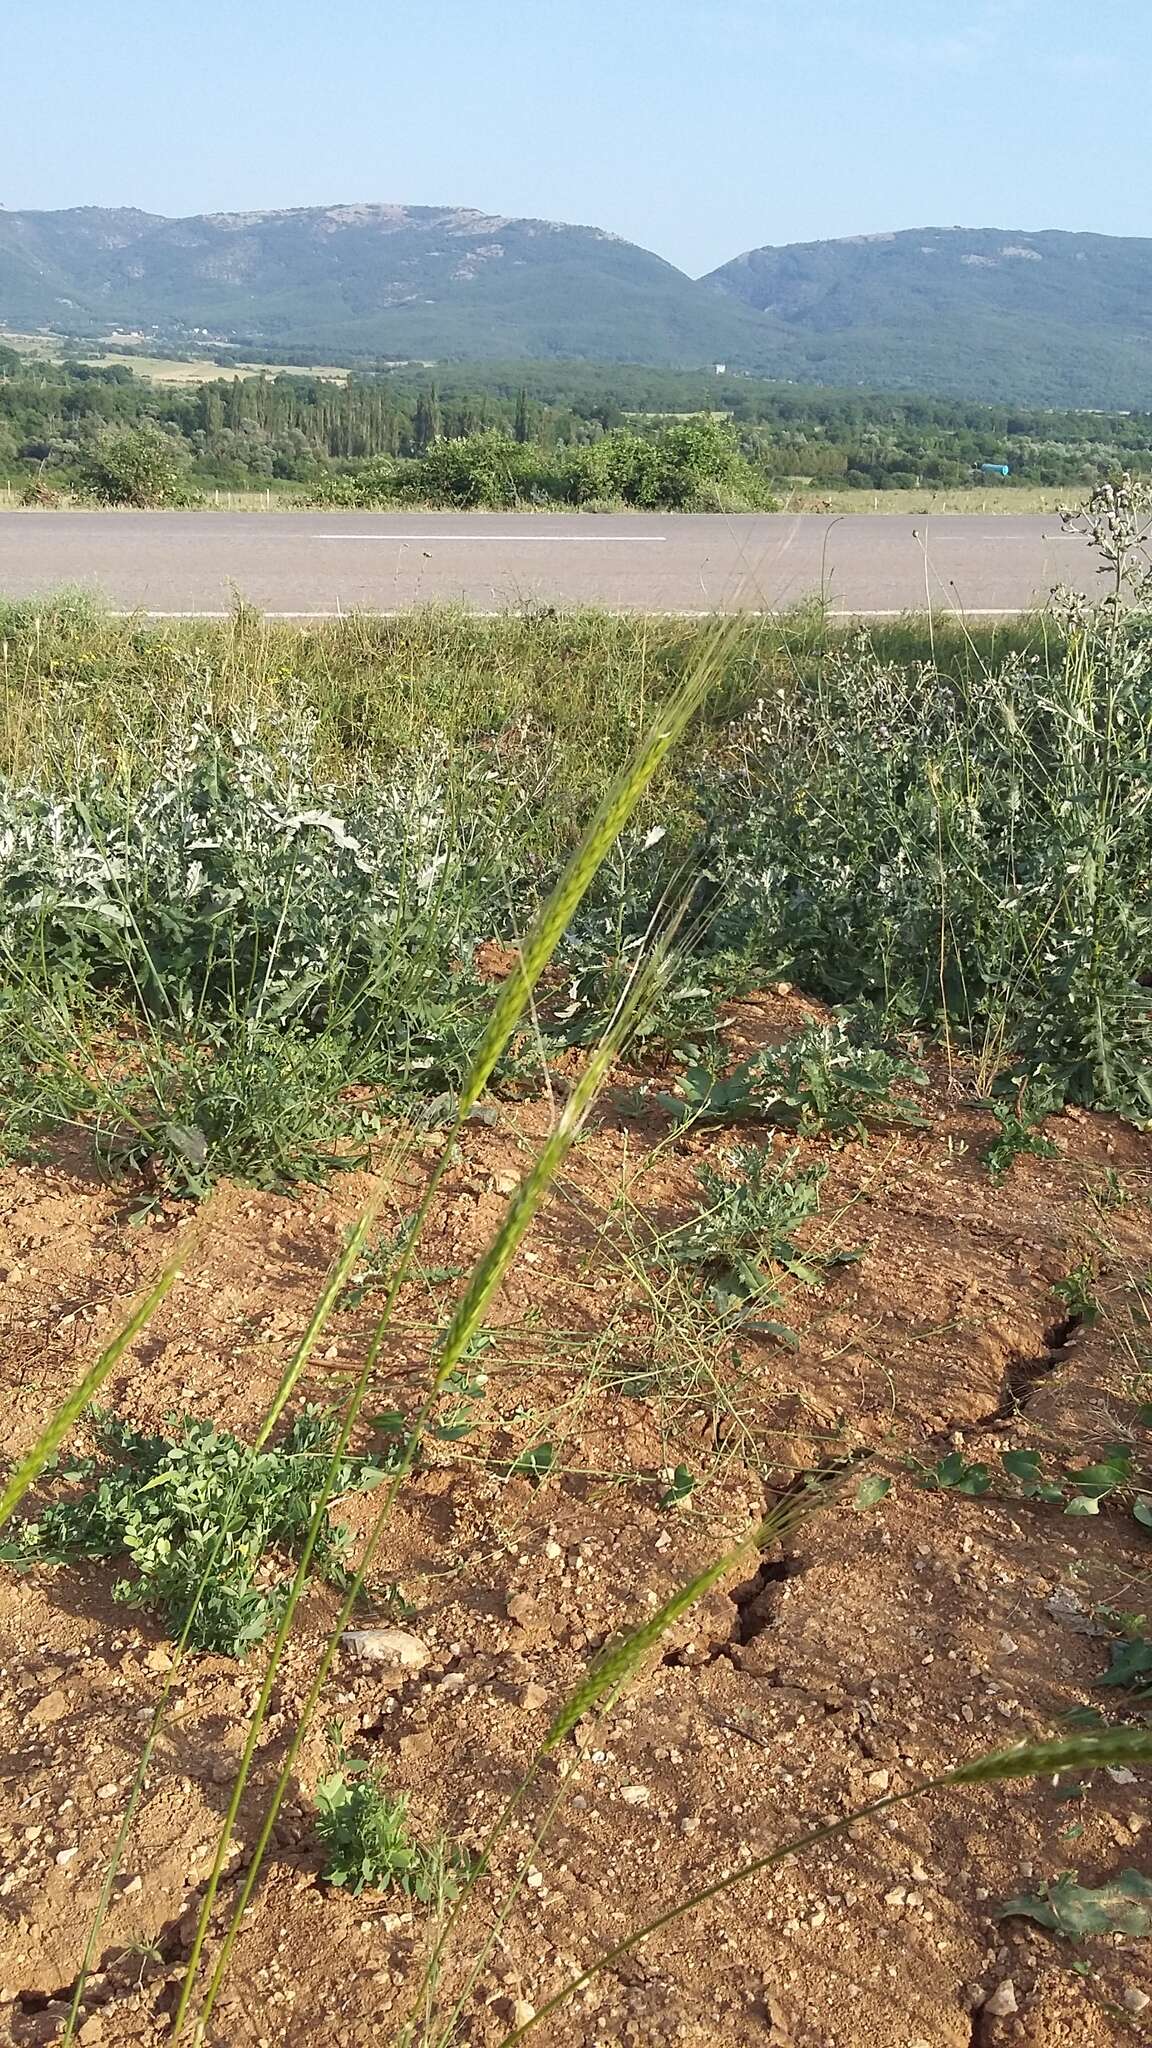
column 1042, row 316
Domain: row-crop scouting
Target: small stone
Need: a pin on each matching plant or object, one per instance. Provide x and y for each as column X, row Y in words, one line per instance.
column 92, row 2030
column 533, row 1698
column 158, row 1660
column 635, row 1795
column 522, row 2012
column 64, row 1857
column 878, row 1781
column 1002, row 2003
column 52, row 1707
column 552, row 1549
column 898, row 1896
column 108, row 1791
column 521, row 1608
column 395, row 1647
column 505, row 1183
column 413, row 1748
column 1135, row 2001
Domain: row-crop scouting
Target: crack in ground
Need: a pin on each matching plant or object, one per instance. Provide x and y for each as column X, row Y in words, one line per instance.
column 1023, row 1374
column 755, row 1604
column 120, row 1971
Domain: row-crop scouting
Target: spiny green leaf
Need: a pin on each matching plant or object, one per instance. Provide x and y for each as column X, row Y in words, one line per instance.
column 1123, row 1905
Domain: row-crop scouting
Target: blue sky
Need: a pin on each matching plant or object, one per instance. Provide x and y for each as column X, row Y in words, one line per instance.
column 697, row 127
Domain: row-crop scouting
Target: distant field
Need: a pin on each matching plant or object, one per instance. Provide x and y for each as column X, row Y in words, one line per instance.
column 171, row 369
column 187, row 370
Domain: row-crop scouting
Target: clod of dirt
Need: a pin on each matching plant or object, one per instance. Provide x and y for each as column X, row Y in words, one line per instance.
column 1002, row 2003
column 394, row 1648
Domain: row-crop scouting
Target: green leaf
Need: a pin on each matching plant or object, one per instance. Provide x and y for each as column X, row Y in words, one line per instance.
column 683, row 1484
column 950, row 1470
column 955, row 1475
column 390, row 1423
column 1122, row 1905
column 779, row 1333
column 1142, row 1511
column 976, row 1480
column 873, row 1488
column 1131, row 1665
column 1021, row 1464
column 535, row 1464
column 1115, row 1470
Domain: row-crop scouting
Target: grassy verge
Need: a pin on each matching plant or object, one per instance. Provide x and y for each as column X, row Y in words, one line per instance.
column 257, row 885
column 249, row 871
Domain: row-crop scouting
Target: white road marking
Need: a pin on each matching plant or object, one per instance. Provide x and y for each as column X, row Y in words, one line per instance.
column 558, row 540
column 656, row 612
column 943, row 611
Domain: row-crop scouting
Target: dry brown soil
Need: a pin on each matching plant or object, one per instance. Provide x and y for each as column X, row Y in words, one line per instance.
column 884, row 1646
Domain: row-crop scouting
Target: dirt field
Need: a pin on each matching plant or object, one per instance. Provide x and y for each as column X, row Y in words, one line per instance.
column 885, row 1645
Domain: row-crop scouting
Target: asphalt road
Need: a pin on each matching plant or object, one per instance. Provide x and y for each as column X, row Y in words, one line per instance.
column 314, row 565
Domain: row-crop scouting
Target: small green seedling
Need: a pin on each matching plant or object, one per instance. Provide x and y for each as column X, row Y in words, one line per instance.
column 680, row 1488
column 1075, row 1291
column 534, row 1464
column 954, row 1474
column 1131, row 1667
column 743, row 1240
column 364, row 1834
column 1025, row 1468
column 1019, row 1136
column 200, row 1501
column 819, row 1081
column 1081, row 1488
column 1093, row 1483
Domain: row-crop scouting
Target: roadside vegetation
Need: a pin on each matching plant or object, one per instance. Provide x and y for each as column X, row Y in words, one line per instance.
column 380, row 900
column 523, row 434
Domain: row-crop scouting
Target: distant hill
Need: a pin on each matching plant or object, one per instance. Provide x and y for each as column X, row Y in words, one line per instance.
column 398, row 280
column 986, row 313
column 995, row 313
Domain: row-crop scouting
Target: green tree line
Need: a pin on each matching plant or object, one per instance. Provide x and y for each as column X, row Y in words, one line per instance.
column 60, row 421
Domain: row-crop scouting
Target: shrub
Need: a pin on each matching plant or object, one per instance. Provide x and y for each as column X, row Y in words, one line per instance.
column 141, row 466
column 972, row 856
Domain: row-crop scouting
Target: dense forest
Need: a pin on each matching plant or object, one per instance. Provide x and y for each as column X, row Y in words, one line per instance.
column 64, row 424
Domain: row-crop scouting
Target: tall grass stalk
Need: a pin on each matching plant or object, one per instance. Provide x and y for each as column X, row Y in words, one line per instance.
column 1120, row 1747
column 486, row 1276
column 618, row 805
column 52, row 1436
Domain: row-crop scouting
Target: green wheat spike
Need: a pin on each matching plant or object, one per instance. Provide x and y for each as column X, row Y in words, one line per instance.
column 53, row 1435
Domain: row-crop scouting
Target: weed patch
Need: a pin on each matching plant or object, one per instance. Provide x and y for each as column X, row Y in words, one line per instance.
column 165, row 1506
